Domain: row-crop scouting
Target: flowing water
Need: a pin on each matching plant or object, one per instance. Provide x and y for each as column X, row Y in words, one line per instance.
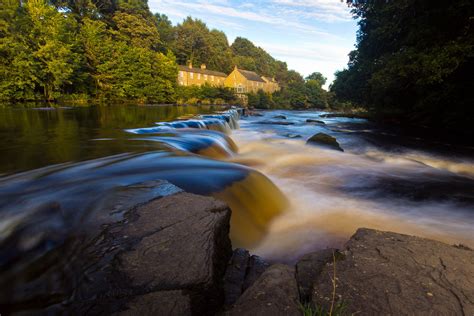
column 67, row 172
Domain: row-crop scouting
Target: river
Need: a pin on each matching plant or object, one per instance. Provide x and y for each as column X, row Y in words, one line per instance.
column 67, row 172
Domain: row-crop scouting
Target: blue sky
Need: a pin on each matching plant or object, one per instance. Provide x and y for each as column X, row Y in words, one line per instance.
column 310, row 35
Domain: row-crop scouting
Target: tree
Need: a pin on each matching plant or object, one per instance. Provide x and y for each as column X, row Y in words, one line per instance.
column 53, row 35
column 166, row 31
column 412, row 61
column 17, row 65
column 136, row 30
column 250, row 57
column 191, row 42
column 317, row 76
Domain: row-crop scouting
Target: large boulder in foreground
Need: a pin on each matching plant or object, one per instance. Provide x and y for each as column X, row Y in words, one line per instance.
column 168, row 257
column 324, row 140
column 385, row 273
column 274, row 293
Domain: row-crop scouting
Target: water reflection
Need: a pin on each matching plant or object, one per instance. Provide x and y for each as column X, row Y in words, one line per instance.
column 49, row 216
column 34, row 136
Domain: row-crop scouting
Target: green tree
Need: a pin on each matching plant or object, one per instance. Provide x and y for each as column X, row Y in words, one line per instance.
column 53, row 35
column 412, row 61
column 317, row 76
column 136, row 30
column 166, row 31
column 18, row 79
column 191, row 42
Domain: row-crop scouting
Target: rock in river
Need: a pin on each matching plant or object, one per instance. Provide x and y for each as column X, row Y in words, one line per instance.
column 168, row 258
column 242, row 271
column 385, row 273
column 315, row 121
column 274, row 293
column 281, row 117
column 275, row 123
column 324, row 140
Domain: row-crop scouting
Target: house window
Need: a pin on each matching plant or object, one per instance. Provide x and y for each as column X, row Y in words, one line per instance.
column 205, row 77
column 240, row 89
column 181, row 74
column 212, row 78
column 191, row 75
column 199, row 76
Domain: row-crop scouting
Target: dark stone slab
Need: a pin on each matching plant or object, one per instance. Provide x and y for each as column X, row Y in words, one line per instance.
column 256, row 266
column 386, row 273
column 324, row 140
column 159, row 303
column 235, row 275
column 308, row 269
column 274, row 293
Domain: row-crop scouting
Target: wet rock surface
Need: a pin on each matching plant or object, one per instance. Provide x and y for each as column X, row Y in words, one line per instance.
column 274, row 293
column 309, row 267
column 168, row 258
column 315, row 121
column 324, row 140
column 173, row 256
column 274, row 123
column 159, row 303
column 235, row 275
column 291, row 135
column 385, row 273
column 242, row 271
column 347, row 115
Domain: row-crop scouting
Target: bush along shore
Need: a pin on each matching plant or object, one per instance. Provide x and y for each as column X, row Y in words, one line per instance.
column 173, row 256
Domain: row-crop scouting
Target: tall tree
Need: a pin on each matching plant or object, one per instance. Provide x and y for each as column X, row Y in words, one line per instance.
column 412, row 61
column 18, row 79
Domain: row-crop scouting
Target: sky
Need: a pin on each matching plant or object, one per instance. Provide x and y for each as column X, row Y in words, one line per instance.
column 309, row 35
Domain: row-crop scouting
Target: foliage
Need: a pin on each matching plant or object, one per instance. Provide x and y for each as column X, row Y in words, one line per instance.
column 413, row 61
column 261, row 100
column 117, row 49
column 205, row 94
column 303, row 94
column 194, row 42
column 53, row 49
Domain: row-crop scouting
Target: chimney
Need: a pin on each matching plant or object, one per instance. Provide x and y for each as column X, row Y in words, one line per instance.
column 190, row 65
column 203, row 66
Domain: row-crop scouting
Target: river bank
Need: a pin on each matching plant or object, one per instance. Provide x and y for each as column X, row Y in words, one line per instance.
column 173, row 256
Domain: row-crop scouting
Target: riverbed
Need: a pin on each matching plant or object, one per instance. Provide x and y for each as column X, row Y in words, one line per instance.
column 68, row 173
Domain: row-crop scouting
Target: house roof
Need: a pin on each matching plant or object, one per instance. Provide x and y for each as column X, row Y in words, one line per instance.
column 202, row 71
column 269, row 79
column 250, row 75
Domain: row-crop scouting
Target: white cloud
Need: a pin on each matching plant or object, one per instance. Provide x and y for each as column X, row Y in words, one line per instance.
column 310, row 57
column 310, row 35
column 324, row 10
column 210, row 7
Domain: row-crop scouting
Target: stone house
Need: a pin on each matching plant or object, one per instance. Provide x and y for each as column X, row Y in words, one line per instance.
column 189, row 76
column 271, row 85
column 244, row 81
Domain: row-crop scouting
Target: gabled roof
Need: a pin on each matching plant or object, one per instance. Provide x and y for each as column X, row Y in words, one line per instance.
column 202, row 71
column 269, row 79
column 250, row 75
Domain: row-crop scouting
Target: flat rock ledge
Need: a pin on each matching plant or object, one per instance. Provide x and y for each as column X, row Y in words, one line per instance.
column 167, row 258
column 173, row 256
column 385, row 273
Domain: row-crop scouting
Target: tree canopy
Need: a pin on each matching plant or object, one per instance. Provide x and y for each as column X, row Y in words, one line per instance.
column 118, row 49
column 413, row 61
